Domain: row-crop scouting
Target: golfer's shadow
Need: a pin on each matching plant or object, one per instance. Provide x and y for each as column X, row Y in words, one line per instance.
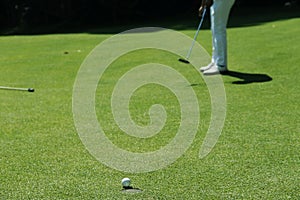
column 247, row 78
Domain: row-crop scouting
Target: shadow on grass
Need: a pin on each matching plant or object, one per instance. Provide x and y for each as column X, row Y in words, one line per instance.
column 247, row 78
column 244, row 78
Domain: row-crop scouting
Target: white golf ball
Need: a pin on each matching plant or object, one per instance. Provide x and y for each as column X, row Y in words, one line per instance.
column 125, row 182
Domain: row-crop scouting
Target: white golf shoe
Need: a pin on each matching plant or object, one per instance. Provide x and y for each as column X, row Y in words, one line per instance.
column 202, row 69
column 214, row 69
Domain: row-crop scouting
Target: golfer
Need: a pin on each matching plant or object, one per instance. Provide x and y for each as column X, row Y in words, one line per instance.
column 219, row 11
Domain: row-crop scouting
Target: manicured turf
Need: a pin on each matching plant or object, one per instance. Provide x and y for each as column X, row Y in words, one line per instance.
column 256, row 157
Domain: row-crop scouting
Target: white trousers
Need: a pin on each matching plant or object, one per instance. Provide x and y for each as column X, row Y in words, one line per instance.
column 219, row 17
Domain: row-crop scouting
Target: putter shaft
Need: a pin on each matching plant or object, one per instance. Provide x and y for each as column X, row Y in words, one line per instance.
column 196, row 35
column 18, row 89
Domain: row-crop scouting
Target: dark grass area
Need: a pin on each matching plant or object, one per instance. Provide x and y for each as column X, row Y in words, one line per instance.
column 240, row 16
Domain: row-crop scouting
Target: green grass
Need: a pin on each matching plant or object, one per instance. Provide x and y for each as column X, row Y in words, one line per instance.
column 256, row 157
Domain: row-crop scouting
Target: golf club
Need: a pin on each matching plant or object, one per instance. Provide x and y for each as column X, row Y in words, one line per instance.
column 195, row 38
column 18, row 89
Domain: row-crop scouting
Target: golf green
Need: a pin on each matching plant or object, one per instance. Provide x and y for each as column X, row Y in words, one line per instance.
column 256, row 156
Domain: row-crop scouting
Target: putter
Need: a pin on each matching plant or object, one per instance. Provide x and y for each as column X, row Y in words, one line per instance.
column 186, row 60
column 18, row 89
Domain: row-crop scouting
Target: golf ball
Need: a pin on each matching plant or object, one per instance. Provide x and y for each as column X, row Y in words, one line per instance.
column 125, row 182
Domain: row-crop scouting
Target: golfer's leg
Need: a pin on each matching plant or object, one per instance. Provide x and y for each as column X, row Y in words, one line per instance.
column 219, row 16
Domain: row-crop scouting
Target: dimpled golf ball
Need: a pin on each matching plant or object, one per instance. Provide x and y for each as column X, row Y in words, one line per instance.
column 125, row 182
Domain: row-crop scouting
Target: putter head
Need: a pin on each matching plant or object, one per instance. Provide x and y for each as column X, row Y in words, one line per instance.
column 30, row 90
column 183, row 61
